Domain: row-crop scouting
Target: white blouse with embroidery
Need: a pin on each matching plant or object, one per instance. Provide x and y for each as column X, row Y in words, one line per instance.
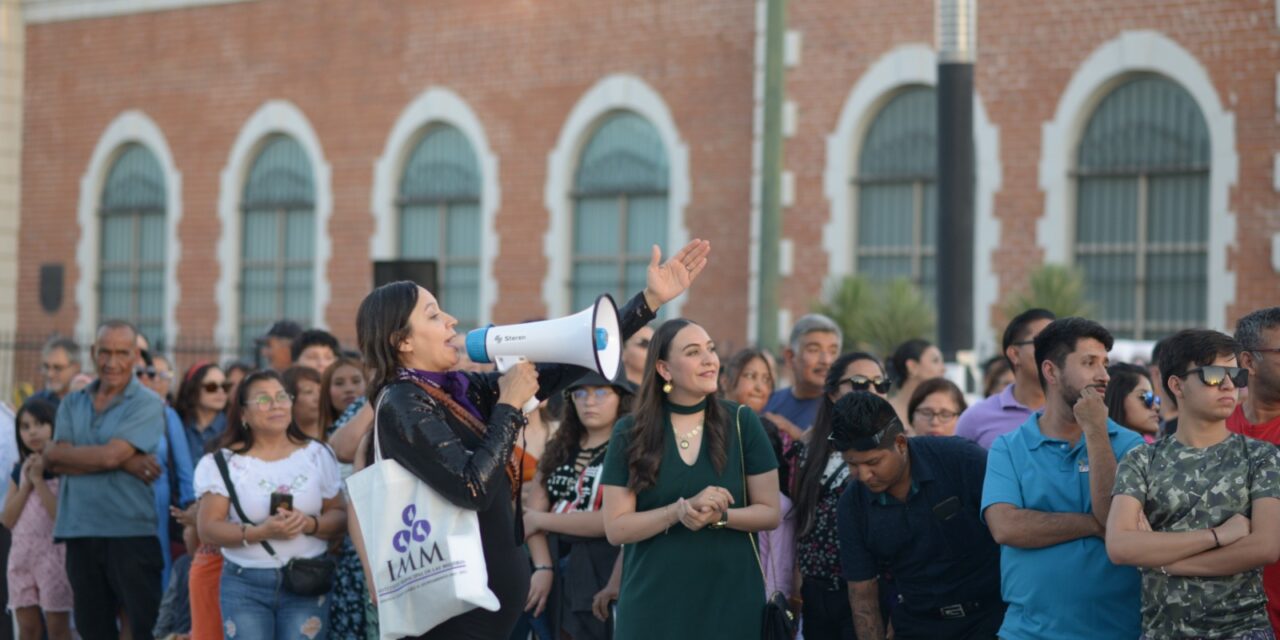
column 309, row 474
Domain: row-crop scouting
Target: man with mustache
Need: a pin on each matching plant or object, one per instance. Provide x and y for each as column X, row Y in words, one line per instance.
column 1047, row 495
column 814, row 345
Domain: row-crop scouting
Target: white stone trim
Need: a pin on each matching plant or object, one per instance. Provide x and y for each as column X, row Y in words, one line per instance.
column 617, row 92
column 1107, row 66
column 906, row 65
column 40, row 11
column 130, row 126
column 757, row 173
column 276, row 116
column 437, row 104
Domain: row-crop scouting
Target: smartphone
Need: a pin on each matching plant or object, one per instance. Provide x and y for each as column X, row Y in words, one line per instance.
column 947, row 509
column 278, row 499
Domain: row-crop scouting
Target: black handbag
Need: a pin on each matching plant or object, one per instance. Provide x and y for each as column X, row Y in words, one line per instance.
column 301, row 576
column 778, row 622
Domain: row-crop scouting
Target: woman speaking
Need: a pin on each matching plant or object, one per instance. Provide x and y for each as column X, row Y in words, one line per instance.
column 455, row 431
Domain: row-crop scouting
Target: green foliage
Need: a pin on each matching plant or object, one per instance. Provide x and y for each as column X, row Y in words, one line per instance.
column 1055, row 287
column 877, row 317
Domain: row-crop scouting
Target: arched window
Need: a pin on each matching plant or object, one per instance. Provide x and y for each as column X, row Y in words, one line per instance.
column 439, row 202
column 1142, row 209
column 279, row 237
column 131, row 284
column 897, row 192
column 620, row 208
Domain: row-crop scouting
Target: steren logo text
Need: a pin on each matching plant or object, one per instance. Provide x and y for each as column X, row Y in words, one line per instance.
column 415, row 531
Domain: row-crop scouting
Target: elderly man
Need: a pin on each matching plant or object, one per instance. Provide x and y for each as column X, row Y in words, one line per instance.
column 59, row 363
column 814, row 345
column 103, row 444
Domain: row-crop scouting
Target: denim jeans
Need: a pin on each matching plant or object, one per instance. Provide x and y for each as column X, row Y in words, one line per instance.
column 256, row 606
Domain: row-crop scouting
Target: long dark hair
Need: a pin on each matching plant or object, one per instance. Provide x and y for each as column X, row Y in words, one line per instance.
column 897, row 363
column 1124, row 377
column 382, row 323
column 808, row 483
column 648, row 434
column 189, row 391
column 563, row 446
column 43, row 412
column 328, row 412
column 239, row 437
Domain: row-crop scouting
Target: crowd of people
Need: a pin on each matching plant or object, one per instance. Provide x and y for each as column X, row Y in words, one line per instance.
column 1077, row 498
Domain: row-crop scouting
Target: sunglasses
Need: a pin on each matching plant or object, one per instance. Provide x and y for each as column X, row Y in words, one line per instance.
column 148, row 372
column 862, row 383
column 1214, row 375
column 1150, row 400
column 212, row 387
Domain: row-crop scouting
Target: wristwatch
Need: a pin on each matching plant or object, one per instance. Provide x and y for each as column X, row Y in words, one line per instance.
column 720, row 524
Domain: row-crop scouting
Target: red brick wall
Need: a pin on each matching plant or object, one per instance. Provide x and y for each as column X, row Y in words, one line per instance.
column 352, row 67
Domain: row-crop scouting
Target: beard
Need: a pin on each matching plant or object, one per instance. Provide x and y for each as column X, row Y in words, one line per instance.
column 1071, row 393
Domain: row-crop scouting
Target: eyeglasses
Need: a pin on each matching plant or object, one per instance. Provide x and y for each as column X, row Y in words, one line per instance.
column 1263, row 349
column 865, row 443
column 1022, row 343
column 930, row 416
column 149, row 372
column 862, row 383
column 264, row 401
column 1150, row 400
column 53, row 368
column 1214, row 375
column 581, row 395
column 212, row 387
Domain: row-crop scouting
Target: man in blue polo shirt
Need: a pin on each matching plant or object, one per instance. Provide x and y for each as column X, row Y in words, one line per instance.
column 104, row 439
column 913, row 513
column 1047, row 495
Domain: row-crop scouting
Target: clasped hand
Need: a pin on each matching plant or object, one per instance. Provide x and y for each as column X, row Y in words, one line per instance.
column 286, row 524
column 705, row 508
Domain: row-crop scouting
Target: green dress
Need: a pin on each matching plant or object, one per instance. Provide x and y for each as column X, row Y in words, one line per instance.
column 692, row 584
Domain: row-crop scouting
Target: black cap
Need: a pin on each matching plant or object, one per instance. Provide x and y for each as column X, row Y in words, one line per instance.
column 286, row 329
column 594, row 379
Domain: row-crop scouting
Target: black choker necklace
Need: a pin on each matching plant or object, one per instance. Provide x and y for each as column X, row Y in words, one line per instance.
column 685, row 410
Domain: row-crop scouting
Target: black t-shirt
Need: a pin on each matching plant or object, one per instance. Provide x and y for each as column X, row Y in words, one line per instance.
column 575, row 485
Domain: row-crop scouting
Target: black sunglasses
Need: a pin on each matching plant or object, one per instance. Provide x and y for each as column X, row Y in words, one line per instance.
column 862, row 383
column 1214, row 375
column 149, row 372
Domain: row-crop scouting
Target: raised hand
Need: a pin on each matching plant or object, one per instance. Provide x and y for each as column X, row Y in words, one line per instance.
column 1091, row 412
column 665, row 281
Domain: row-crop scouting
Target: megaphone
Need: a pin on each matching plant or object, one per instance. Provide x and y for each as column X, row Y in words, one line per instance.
column 590, row 338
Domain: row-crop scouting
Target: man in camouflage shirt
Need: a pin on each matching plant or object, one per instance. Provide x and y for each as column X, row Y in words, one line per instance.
column 1199, row 511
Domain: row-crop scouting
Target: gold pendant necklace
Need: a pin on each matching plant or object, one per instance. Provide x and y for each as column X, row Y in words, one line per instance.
column 684, row 439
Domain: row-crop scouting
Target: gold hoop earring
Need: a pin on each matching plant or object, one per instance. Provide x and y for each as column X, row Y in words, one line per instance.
column 666, row 388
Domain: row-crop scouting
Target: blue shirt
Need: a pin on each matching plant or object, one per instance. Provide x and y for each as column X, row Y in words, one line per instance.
column 197, row 441
column 1070, row 590
column 801, row 413
column 935, row 544
column 108, row 504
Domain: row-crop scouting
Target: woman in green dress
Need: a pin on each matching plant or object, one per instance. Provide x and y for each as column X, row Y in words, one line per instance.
column 674, row 479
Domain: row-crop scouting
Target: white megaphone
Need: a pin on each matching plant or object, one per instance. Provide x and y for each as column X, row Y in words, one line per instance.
column 590, row 338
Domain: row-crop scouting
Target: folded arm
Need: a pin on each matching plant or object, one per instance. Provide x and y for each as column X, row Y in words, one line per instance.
column 67, row 459
column 1031, row 529
column 1261, row 547
column 1129, row 544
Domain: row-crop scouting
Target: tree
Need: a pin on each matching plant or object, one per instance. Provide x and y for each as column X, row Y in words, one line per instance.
column 1055, row 287
column 877, row 317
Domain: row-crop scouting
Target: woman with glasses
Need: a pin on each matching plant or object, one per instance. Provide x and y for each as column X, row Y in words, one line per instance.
column 818, row 486
column 687, row 479
column 935, row 407
column 455, row 430
column 1131, row 400
column 288, row 486
column 565, row 501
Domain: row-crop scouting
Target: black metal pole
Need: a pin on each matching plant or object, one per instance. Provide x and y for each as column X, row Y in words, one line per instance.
column 955, row 208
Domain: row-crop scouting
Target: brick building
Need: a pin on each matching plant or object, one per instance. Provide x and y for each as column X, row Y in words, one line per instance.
column 205, row 166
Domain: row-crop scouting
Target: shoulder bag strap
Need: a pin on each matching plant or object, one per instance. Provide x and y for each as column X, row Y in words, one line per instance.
column 235, row 500
column 742, row 457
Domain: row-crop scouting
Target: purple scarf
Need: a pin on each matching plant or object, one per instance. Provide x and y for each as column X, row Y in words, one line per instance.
column 454, row 383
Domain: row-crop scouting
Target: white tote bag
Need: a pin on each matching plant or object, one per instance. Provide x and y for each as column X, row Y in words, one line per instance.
column 423, row 551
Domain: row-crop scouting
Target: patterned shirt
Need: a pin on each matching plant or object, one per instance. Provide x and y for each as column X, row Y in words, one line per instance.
column 1185, row 488
column 818, row 553
column 575, row 486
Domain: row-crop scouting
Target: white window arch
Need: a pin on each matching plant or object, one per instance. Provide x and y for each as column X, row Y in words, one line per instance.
column 610, row 96
column 435, row 109
column 130, row 130
column 274, row 118
column 1112, row 64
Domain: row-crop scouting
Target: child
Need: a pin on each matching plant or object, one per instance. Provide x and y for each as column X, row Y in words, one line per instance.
column 37, row 567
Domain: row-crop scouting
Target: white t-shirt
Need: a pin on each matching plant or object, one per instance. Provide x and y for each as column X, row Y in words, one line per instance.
column 309, row 474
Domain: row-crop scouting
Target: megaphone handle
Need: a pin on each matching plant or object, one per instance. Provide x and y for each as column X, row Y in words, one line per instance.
column 504, row 365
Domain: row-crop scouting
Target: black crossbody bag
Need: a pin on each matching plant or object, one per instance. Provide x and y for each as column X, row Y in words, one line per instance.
column 302, row 576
